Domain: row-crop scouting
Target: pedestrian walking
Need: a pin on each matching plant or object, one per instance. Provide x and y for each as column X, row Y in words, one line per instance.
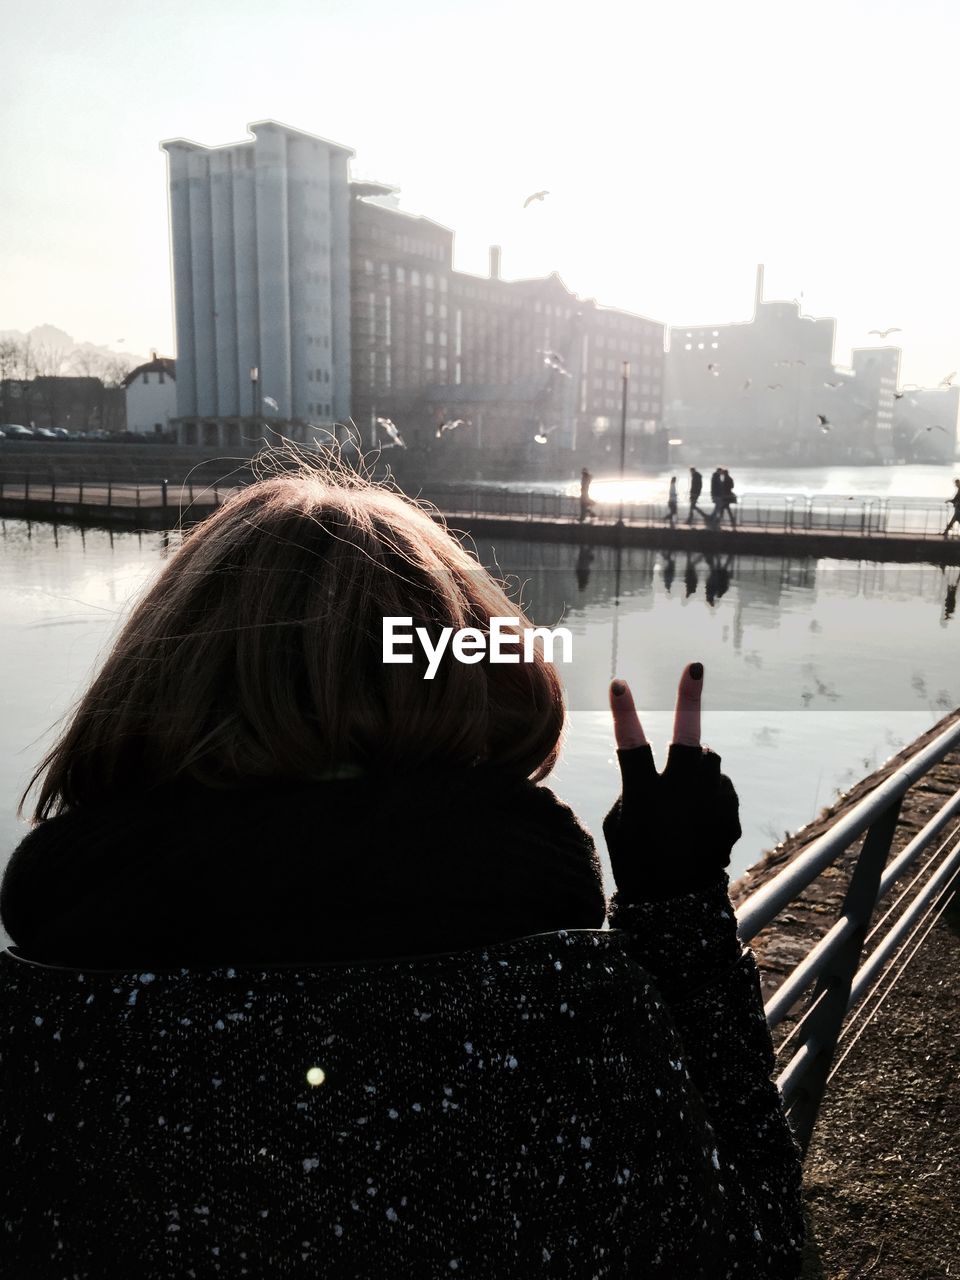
column 696, row 488
column 586, row 502
column 728, row 498
column 716, row 495
column 672, row 502
column 955, row 518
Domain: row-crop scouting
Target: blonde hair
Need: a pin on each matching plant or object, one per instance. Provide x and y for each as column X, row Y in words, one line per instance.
column 257, row 655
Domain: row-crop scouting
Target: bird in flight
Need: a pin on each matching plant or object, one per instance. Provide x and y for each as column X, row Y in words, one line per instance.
column 541, row 436
column 824, row 423
column 935, row 427
column 774, row 386
column 553, row 360
column 269, row 400
column 451, row 426
column 536, row 195
column 833, row 385
column 884, row 333
column 393, row 435
column 747, row 385
column 714, row 369
column 948, row 380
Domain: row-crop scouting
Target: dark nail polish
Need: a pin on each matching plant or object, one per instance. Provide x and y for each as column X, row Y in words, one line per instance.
column 618, row 688
column 696, row 670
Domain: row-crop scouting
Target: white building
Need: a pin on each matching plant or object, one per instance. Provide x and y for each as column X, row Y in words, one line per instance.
column 261, row 267
column 151, row 396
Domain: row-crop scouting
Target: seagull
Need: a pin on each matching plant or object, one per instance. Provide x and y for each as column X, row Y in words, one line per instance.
column 936, row 427
column 392, row 433
column 553, row 360
column 884, row 333
column 774, row 386
column 537, row 195
column 948, row 380
column 272, row 403
column 714, row 369
column 541, row 436
column 824, row 422
column 451, row 426
column 833, row 385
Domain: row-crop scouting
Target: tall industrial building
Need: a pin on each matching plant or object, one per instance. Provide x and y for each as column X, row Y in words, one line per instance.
column 261, row 268
column 342, row 306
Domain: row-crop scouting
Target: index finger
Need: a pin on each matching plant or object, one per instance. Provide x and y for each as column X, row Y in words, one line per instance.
column 627, row 729
column 686, row 718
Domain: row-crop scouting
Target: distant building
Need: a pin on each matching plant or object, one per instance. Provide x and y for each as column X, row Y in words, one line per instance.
column 756, row 391
column 296, row 287
column 151, row 396
column 77, row 404
column 432, row 344
column 925, row 424
column 261, row 245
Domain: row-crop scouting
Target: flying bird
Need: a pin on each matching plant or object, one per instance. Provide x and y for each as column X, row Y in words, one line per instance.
column 774, row 386
column 884, row 333
column 936, row 427
column 824, row 423
column 748, row 384
column 541, row 436
column 553, row 360
column 833, row 385
column 714, row 369
column 451, row 426
column 536, row 195
column 948, row 380
column 269, row 400
column 393, row 435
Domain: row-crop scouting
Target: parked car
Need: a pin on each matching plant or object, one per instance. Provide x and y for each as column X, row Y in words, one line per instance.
column 61, row 433
column 43, row 433
column 12, row 431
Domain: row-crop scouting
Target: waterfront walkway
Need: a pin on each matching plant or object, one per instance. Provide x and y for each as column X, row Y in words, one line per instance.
column 882, row 1173
column 858, row 529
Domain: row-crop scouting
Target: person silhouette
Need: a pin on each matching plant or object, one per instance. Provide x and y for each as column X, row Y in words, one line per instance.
column 586, row 502
column 696, row 487
column 669, row 571
column 955, row 518
column 691, row 578
column 672, row 502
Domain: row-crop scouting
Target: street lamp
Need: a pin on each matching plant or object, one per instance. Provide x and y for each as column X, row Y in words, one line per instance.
column 254, row 387
column 625, row 374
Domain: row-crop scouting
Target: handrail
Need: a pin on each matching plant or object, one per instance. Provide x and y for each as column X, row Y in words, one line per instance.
column 832, row 967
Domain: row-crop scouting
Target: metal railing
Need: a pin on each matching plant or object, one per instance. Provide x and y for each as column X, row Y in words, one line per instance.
column 841, row 985
column 856, row 515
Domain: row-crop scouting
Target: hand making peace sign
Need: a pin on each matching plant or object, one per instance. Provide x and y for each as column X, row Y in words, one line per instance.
column 669, row 833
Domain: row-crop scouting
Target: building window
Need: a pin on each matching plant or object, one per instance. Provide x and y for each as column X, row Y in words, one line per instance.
column 428, row 309
column 442, row 313
column 442, row 364
column 368, row 266
column 443, row 284
column 428, row 280
column 428, row 336
column 428, row 362
column 387, row 369
column 146, row 379
column 443, row 337
column 714, row 345
column 401, row 275
column 309, row 375
column 384, row 271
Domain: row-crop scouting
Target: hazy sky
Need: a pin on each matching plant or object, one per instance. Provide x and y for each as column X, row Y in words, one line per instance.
column 682, row 143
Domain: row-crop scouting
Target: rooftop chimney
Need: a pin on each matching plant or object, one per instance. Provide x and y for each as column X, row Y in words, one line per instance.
column 495, row 262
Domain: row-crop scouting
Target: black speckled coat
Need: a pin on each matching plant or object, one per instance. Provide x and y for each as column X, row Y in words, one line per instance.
column 578, row 1103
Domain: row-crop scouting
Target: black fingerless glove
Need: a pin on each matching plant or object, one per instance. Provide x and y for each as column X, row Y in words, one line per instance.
column 670, row 833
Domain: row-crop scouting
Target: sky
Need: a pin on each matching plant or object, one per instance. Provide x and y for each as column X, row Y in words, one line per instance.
column 682, row 143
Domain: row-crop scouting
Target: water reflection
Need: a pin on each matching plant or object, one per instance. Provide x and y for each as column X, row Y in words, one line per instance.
column 813, row 667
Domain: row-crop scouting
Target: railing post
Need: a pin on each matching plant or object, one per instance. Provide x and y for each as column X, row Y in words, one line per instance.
column 53, row 487
column 163, row 494
column 109, row 495
column 80, row 493
column 832, row 993
column 26, row 489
